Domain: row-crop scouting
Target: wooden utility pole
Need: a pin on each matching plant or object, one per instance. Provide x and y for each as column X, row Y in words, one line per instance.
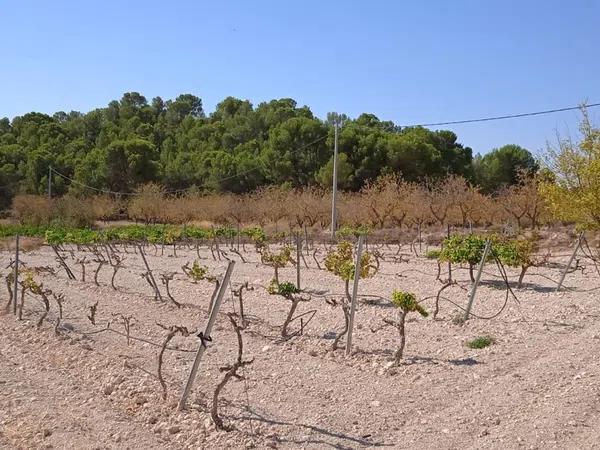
column 335, row 183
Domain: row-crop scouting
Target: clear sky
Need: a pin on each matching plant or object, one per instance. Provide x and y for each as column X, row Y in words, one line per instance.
column 406, row 61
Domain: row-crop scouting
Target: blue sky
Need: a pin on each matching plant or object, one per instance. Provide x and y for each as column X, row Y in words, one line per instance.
column 410, row 62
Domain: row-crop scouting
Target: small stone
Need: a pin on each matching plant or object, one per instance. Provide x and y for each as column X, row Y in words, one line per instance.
column 445, row 431
column 313, row 353
column 108, row 389
column 174, row 429
column 152, row 420
column 140, row 400
column 484, row 432
column 266, row 348
column 376, row 403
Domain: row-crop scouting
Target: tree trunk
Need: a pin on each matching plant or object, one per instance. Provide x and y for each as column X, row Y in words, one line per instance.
column 289, row 317
column 340, row 335
column 522, row 275
column 400, row 351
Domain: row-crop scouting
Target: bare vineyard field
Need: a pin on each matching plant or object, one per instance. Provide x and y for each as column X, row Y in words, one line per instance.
column 85, row 387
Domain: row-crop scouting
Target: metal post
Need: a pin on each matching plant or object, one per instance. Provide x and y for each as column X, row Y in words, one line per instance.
column 207, row 331
column 335, row 183
column 298, row 254
column 150, row 274
column 486, row 250
column 16, row 275
column 564, row 274
column 357, row 266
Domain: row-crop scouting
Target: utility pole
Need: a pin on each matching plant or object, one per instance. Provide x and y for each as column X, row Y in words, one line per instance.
column 334, row 195
column 49, row 182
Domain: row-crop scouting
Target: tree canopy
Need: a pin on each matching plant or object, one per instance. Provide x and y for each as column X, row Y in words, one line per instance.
column 237, row 148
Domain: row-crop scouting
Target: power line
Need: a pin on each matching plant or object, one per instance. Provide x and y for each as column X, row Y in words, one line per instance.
column 510, row 116
column 103, row 191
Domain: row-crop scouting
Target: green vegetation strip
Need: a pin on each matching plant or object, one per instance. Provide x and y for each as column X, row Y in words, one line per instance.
column 154, row 234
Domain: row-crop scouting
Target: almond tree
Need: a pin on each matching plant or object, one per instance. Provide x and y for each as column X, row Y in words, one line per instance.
column 439, row 199
column 511, row 205
column 380, row 198
column 573, row 189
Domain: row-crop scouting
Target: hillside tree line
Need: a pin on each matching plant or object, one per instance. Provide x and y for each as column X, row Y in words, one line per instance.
column 237, row 148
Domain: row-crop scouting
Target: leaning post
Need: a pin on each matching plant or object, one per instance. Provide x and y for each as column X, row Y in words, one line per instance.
column 357, row 266
column 486, row 250
column 156, row 290
column 206, row 335
column 16, row 275
column 564, row 273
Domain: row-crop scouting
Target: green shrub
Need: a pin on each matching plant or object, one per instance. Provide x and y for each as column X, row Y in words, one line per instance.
column 480, row 342
column 341, row 262
column 285, row 289
column 346, row 231
column 463, row 249
column 433, row 254
column 407, row 302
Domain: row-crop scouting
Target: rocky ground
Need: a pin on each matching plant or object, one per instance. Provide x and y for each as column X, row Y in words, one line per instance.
column 84, row 386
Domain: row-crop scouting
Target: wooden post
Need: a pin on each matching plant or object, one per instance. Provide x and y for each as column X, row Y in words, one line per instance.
column 449, row 263
column 564, row 274
column 150, row 274
column 486, row 250
column 206, row 335
column 298, row 254
column 306, row 240
column 354, row 294
column 16, row 276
